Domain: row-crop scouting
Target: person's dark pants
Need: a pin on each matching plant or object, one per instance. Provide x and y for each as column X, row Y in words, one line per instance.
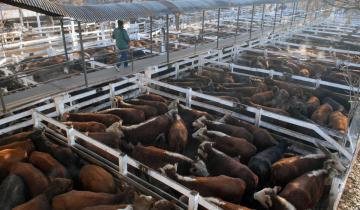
column 123, row 58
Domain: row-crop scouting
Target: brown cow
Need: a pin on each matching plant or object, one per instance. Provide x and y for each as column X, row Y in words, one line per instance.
column 129, row 116
column 262, row 97
column 39, row 202
column 106, row 119
column 148, row 110
column 164, row 205
column 304, row 73
column 287, row 169
column 35, row 180
column 47, row 164
column 96, row 179
column 87, row 126
column 152, row 97
column 230, row 130
column 339, row 121
column 9, row 156
column 302, row 193
column 226, row 205
column 219, row 163
column 75, row 200
column 177, row 135
column 312, row 104
column 98, row 151
column 110, row 139
column 16, row 137
column 110, row 207
column 321, row 114
column 26, row 146
column 262, row 138
column 146, row 132
column 160, row 106
column 227, row 188
column 157, row 158
column 232, row 146
column 190, row 115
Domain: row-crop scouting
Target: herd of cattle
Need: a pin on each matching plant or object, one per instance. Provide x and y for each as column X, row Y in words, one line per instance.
column 311, row 68
column 318, row 106
column 38, row 174
column 230, row 162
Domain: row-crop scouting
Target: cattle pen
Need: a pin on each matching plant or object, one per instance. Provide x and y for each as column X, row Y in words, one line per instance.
column 274, row 67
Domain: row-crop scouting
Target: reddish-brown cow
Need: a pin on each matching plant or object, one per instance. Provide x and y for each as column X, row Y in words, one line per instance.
column 97, row 179
column 47, row 164
column 148, row 110
column 87, row 126
column 229, row 145
column 262, row 138
column 227, row 188
column 339, row 121
column 160, row 106
column 219, row 163
column 321, row 114
column 178, row 135
column 230, row 130
column 106, row 119
column 152, row 97
column 129, row 116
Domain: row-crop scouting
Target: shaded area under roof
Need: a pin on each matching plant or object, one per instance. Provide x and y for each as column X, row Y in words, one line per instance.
column 127, row 11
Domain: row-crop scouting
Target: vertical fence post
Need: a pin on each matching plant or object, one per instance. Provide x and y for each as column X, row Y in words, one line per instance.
column 82, row 54
column 123, row 163
column 177, row 68
column 203, row 25
column 258, row 117
column 59, row 105
column 132, row 60
column 35, row 118
column 2, row 100
column 307, row 10
column 193, row 200
column 293, row 13
column 188, row 97
column 218, row 29
column 64, row 39
column 262, row 20
column 237, row 24
column 252, row 20
column 167, row 40
column 112, row 95
column 151, row 35
column 276, row 8
column 70, row 136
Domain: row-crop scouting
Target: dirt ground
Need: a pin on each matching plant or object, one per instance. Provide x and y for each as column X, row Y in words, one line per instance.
column 350, row 199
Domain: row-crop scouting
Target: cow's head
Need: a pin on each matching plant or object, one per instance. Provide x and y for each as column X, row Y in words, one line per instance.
column 199, row 123
column 333, row 163
column 198, row 168
column 169, row 170
column 264, row 196
column 200, row 135
column 116, row 129
column 173, row 104
column 204, row 148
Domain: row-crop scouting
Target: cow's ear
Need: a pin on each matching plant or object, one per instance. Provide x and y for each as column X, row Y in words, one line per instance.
column 277, row 189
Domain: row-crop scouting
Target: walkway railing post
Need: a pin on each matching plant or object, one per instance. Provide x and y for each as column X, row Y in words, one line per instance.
column 2, row 100
column 237, row 23
column 82, row 54
column 203, row 24
column 151, row 35
column 276, row 9
column 252, row 20
column 218, row 29
column 64, row 39
column 167, row 40
column 262, row 20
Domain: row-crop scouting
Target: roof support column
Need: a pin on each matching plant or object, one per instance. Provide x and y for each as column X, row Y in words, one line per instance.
column 296, row 8
column 307, row 10
column 64, row 39
column 167, row 40
column 293, row 14
column 82, row 54
column 237, row 24
column 151, row 35
column 218, row 29
column 262, row 20
column 39, row 23
column 203, row 25
column 276, row 9
column 252, row 20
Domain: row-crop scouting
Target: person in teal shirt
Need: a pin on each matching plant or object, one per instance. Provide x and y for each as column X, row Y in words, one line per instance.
column 122, row 42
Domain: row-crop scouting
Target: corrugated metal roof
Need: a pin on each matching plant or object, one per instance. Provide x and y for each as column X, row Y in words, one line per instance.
column 126, row 11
